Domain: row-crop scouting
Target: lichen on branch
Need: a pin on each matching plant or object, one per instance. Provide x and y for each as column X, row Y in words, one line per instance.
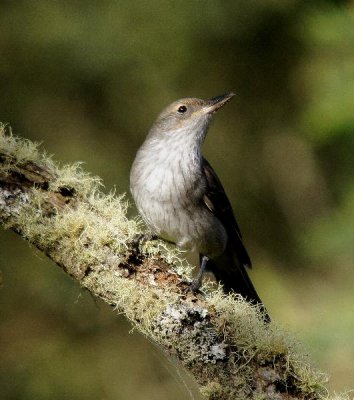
column 220, row 339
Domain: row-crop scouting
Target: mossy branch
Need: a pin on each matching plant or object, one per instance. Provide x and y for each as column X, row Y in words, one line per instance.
column 221, row 340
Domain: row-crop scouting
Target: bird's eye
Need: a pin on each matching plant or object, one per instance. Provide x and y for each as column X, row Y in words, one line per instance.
column 182, row 109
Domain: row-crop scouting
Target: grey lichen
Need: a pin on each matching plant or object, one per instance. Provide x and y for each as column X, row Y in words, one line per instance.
column 222, row 340
column 189, row 324
column 11, row 202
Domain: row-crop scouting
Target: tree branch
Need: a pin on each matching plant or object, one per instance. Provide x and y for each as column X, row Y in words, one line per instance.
column 221, row 340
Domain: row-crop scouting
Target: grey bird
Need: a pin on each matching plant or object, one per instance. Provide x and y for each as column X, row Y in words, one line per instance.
column 183, row 201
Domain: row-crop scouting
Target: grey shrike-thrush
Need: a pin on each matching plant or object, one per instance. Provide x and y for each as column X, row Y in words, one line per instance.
column 183, row 201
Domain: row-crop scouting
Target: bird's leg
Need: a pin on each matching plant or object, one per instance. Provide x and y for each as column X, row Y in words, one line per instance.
column 197, row 282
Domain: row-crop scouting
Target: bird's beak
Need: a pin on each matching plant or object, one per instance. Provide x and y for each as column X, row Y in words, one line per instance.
column 217, row 102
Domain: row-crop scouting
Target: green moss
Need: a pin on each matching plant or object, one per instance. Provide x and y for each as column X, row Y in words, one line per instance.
column 138, row 303
column 262, row 344
column 22, row 149
column 213, row 390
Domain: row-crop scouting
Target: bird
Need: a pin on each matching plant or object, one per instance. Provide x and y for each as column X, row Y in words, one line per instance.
column 182, row 200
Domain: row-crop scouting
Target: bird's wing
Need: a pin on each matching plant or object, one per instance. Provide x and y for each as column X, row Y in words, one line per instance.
column 215, row 199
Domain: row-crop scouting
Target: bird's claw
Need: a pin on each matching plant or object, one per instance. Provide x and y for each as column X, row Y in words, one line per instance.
column 190, row 287
column 140, row 239
column 196, row 285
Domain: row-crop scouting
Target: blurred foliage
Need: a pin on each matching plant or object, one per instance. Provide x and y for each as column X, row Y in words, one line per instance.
column 87, row 79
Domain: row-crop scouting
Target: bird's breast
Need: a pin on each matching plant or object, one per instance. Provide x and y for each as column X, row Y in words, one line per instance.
column 171, row 180
column 168, row 190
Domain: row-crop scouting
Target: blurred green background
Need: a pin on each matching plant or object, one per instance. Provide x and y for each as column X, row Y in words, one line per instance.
column 87, row 78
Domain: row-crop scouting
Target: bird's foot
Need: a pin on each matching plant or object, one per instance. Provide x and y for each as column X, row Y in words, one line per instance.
column 140, row 239
column 196, row 283
column 188, row 287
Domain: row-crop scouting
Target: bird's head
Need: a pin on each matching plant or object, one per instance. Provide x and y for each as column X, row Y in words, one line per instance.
column 189, row 117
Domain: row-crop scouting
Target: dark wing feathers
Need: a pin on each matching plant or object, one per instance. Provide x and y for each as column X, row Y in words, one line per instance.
column 229, row 268
column 217, row 202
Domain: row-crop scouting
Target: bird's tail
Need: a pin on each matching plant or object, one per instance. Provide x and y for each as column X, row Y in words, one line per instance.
column 234, row 277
